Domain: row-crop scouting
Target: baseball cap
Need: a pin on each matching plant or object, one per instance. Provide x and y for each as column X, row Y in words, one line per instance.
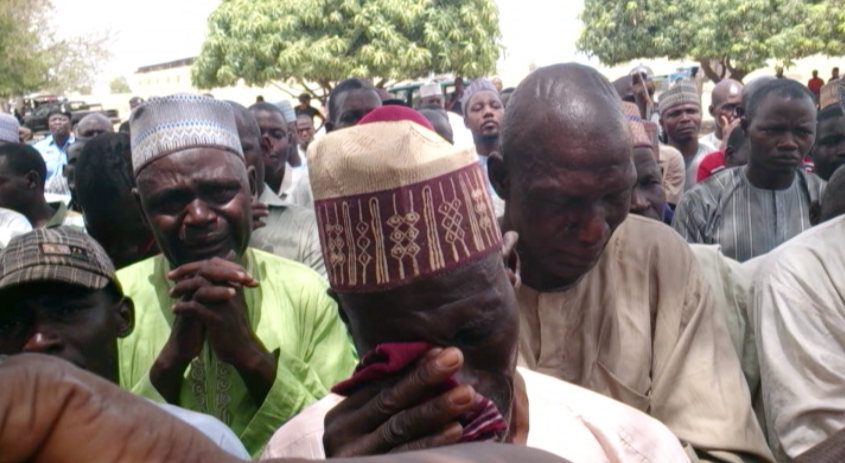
column 56, row 254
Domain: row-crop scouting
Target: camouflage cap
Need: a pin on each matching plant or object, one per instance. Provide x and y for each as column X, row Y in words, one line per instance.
column 56, row 254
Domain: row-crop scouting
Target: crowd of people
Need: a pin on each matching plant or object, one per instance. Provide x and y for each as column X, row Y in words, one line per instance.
column 562, row 271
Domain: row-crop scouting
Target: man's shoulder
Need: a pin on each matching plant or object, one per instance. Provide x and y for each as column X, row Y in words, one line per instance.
column 302, row 435
column 209, row 426
column 139, row 273
column 284, row 272
column 44, row 143
column 617, row 427
column 820, row 248
column 641, row 241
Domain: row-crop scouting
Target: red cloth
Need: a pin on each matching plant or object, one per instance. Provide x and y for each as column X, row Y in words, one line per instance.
column 709, row 165
column 483, row 423
column 395, row 113
column 815, row 85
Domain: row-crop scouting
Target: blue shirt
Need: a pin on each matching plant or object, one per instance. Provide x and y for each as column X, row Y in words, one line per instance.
column 55, row 156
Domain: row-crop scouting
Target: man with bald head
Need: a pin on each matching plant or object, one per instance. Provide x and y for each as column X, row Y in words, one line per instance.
column 92, row 125
column 725, row 98
column 612, row 302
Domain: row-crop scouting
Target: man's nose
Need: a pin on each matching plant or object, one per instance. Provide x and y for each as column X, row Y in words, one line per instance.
column 591, row 227
column 199, row 214
column 638, row 201
column 42, row 341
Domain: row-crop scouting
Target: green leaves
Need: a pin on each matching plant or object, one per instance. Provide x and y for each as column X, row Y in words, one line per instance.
column 738, row 35
column 323, row 40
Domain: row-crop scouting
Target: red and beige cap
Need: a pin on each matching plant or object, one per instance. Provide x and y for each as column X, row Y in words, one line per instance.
column 396, row 203
column 55, row 254
column 639, row 136
column 166, row 125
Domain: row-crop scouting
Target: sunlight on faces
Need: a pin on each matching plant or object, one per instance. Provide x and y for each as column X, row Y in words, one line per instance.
column 197, row 202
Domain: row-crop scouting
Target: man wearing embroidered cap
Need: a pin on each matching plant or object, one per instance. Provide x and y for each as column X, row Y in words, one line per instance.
column 829, row 151
column 680, row 117
column 647, row 197
column 432, row 94
column 9, row 127
column 414, row 256
column 240, row 334
column 61, row 298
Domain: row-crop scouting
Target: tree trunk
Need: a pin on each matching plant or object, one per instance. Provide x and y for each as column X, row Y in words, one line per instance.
column 718, row 69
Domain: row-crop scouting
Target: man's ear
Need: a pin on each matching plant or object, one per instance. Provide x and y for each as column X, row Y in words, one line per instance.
column 744, row 123
column 498, row 175
column 33, row 180
column 126, row 315
column 253, row 181
column 266, row 145
column 712, row 110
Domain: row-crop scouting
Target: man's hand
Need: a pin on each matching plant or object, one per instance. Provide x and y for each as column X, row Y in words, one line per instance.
column 53, row 412
column 379, row 419
column 212, row 292
column 184, row 344
column 24, row 134
column 259, row 211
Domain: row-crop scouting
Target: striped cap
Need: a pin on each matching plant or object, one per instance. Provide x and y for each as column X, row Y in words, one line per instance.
column 477, row 85
column 639, row 137
column 396, row 203
column 55, row 254
column 166, row 125
column 9, row 128
column 684, row 91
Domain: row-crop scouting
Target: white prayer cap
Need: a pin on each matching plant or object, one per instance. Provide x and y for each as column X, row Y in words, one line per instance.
column 287, row 111
column 167, row 125
column 9, row 128
column 431, row 89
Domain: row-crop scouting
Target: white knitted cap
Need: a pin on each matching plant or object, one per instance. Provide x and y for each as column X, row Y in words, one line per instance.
column 9, row 128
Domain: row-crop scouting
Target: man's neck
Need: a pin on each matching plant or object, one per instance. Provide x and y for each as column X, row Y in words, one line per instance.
column 486, row 148
column 688, row 148
column 39, row 213
column 60, row 140
column 764, row 179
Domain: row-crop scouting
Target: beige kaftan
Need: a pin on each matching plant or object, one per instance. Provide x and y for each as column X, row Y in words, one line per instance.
column 643, row 328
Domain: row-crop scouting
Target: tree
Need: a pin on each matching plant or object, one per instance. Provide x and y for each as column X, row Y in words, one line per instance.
column 120, row 85
column 261, row 41
column 34, row 58
column 729, row 38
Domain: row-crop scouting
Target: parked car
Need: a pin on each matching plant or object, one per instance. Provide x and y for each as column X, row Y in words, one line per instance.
column 37, row 119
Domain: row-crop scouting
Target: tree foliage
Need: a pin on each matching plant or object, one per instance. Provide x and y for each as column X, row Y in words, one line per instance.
column 262, row 41
column 33, row 58
column 119, row 85
column 729, row 38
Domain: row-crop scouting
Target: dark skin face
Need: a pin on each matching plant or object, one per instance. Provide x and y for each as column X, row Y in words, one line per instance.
column 274, row 127
column 255, row 146
column 305, row 130
column 682, row 122
column 483, row 116
column 120, row 229
column 353, row 105
column 472, row 308
column 435, row 100
column 727, row 96
column 198, row 204
column 648, row 198
column 566, row 195
column 829, row 150
column 17, row 192
column 69, row 169
column 780, row 134
column 59, row 125
column 92, row 125
column 71, row 322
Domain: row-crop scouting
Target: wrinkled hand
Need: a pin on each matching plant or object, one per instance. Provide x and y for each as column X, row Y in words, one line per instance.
column 53, row 412
column 379, row 419
column 259, row 211
column 211, row 292
column 728, row 125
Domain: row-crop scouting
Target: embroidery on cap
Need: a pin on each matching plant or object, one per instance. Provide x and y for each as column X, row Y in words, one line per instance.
column 52, row 249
